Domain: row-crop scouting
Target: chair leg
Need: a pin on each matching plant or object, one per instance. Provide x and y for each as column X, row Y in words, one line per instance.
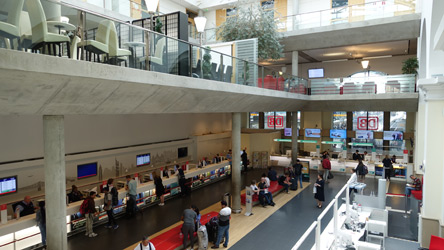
column 43, row 48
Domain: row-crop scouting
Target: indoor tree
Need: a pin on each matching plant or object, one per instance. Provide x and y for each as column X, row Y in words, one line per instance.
column 253, row 21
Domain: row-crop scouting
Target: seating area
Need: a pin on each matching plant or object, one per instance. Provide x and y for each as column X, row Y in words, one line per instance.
column 274, row 188
column 170, row 240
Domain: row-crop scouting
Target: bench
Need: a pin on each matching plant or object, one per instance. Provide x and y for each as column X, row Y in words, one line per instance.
column 273, row 189
column 170, row 239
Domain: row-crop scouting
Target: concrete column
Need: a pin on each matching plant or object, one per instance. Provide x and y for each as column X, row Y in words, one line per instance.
column 55, row 187
column 294, row 63
column 236, row 167
column 294, row 137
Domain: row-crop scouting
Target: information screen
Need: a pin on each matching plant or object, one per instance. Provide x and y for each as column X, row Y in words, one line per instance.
column 364, row 134
column 8, row 185
column 86, row 170
column 393, row 136
column 313, row 132
column 287, row 132
column 338, row 133
column 315, row 73
column 143, row 159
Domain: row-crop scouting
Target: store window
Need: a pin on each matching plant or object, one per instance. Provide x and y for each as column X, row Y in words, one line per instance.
column 254, row 120
column 371, row 120
column 275, row 120
column 339, row 120
column 398, row 121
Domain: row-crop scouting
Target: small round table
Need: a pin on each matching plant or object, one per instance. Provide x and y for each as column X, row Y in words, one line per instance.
column 61, row 26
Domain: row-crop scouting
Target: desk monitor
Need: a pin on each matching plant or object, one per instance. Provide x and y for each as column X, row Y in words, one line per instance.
column 8, row 185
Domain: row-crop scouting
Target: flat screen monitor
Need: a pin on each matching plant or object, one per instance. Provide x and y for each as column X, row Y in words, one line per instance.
column 338, row 133
column 182, row 152
column 364, row 134
column 142, row 160
column 8, row 185
column 393, row 136
column 316, row 73
column 313, row 132
column 86, row 170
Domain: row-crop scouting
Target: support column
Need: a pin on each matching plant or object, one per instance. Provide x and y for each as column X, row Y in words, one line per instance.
column 294, row 63
column 55, row 181
column 236, row 167
column 294, row 137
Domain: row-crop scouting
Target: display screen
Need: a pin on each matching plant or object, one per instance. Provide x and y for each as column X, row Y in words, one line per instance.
column 8, row 185
column 86, row 170
column 393, row 136
column 313, row 132
column 338, row 133
column 315, row 73
column 142, row 160
column 182, row 152
column 287, row 132
column 364, row 134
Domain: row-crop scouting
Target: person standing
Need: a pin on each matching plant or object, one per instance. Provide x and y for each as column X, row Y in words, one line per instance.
column 360, row 170
column 356, row 155
column 319, row 191
column 224, row 225
column 244, row 159
column 108, row 207
column 160, row 189
column 182, row 182
column 189, row 218
column 131, row 187
column 229, row 157
column 24, row 207
column 387, row 167
column 40, row 217
column 326, row 165
column 145, row 244
column 353, row 181
column 298, row 172
column 90, row 213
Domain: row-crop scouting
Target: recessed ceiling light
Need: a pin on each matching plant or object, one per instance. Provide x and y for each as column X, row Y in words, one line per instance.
column 334, row 54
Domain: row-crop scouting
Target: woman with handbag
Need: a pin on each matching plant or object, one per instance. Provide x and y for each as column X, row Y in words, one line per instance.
column 319, row 187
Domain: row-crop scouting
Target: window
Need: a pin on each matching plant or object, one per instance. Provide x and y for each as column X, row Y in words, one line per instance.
column 371, row 120
column 275, row 120
column 268, row 6
column 339, row 120
column 338, row 3
column 398, row 120
column 254, row 120
column 231, row 12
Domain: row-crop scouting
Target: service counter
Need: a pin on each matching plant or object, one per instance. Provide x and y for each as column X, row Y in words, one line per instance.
column 23, row 232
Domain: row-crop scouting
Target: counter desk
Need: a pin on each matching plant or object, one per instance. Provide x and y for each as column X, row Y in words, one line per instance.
column 23, row 232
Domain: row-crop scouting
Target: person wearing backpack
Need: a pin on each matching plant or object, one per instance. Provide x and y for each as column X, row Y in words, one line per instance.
column 109, row 208
column 145, row 244
column 113, row 191
column 88, row 208
column 360, row 170
column 298, row 172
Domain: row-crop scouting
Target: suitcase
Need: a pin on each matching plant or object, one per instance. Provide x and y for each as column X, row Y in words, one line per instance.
column 294, row 184
column 202, row 236
column 212, row 228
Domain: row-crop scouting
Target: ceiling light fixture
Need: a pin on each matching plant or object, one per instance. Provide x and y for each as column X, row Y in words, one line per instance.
column 376, row 57
column 338, row 60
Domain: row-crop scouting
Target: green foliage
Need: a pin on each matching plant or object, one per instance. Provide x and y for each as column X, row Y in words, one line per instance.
column 206, row 64
column 246, row 73
column 158, row 26
column 253, row 21
column 410, row 66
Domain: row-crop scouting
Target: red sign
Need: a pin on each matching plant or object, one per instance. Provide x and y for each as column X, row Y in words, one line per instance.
column 406, row 151
column 277, row 121
column 3, row 207
column 370, row 123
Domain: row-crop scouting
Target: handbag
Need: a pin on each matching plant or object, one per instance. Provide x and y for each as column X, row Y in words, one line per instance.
column 314, row 189
column 330, row 175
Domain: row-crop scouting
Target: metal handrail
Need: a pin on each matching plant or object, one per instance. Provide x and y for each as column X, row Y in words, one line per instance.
column 305, row 235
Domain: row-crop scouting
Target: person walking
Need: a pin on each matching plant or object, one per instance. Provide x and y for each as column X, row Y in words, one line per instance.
column 108, row 207
column 131, row 187
column 319, row 195
column 224, row 225
column 160, row 189
column 145, row 244
column 298, row 172
column 40, row 217
column 387, row 167
column 189, row 218
column 360, row 170
column 326, row 165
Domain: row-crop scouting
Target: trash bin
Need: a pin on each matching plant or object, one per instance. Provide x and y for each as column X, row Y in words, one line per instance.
column 227, row 198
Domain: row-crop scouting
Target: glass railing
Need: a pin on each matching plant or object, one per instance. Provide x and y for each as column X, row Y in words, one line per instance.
column 82, row 35
column 364, row 85
column 346, row 14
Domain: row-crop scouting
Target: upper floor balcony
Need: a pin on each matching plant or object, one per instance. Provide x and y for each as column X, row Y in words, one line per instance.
column 85, row 63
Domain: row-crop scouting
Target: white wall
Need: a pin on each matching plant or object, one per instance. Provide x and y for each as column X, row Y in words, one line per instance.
column 313, row 5
column 391, row 66
column 168, row 6
column 211, row 19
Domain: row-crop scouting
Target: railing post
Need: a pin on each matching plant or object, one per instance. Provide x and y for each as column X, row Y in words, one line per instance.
column 263, row 80
column 245, row 73
column 190, row 61
column 147, row 50
column 221, row 68
column 347, row 199
column 335, row 218
column 318, row 235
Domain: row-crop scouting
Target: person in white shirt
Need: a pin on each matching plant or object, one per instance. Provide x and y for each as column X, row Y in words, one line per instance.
column 254, row 187
column 145, row 244
column 353, row 179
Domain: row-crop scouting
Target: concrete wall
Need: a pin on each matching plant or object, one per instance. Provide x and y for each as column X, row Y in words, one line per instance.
column 391, row 66
column 167, row 6
column 212, row 144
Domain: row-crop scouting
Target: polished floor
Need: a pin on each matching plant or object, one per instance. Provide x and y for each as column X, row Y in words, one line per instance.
column 280, row 230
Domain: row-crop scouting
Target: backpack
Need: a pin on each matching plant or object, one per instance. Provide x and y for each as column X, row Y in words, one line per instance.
column 281, row 180
column 365, row 169
column 84, row 207
column 297, row 169
column 115, row 196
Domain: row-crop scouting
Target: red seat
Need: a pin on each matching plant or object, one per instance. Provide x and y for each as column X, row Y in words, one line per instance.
column 274, row 188
column 170, row 239
column 269, row 82
column 436, row 243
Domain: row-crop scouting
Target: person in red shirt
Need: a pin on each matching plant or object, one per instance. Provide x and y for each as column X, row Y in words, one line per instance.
column 326, row 165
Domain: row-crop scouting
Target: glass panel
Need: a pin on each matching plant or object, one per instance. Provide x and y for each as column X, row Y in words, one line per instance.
column 396, row 148
column 269, row 120
column 254, row 120
column 228, row 73
column 196, row 62
column 339, row 120
column 280, row 120
column 260, row 76
column 380, row 116
column 374, row 121
column 398, row 121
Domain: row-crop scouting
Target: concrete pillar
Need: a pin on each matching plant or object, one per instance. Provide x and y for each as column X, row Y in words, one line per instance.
column 55, row 187
column 294, row 63
column 294, row 136
column 236, row 167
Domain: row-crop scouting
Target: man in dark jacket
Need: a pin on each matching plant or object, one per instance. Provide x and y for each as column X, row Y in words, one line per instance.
column 298, row 172
column 244, row 159
column 90, row 213
column 25, row 207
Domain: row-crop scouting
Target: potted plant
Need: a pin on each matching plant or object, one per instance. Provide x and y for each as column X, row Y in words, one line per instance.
column 410, row 66
column 206, row 64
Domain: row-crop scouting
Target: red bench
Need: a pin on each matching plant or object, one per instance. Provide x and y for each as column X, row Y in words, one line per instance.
column 170, row 239
column 274, row 189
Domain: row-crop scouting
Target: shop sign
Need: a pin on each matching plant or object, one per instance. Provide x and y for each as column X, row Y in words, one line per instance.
column 277, row 121
column 368, row 123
